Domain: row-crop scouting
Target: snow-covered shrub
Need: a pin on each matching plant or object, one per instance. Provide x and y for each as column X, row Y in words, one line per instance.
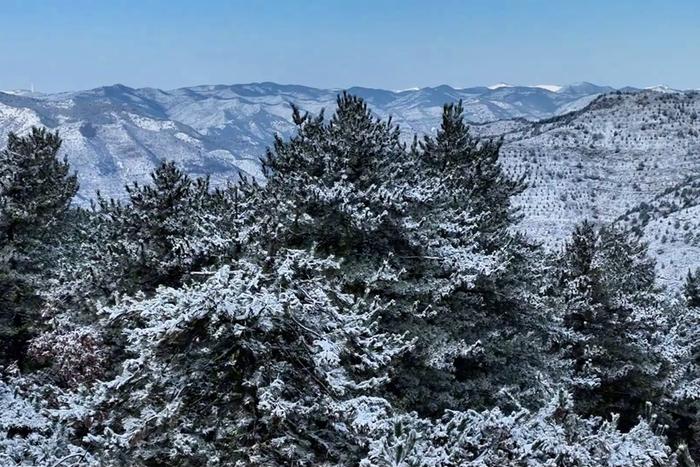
column 29, row 433
column 552, row 436
column 75, row 356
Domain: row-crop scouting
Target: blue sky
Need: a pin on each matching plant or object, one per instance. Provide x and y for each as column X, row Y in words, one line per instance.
column 67, row 45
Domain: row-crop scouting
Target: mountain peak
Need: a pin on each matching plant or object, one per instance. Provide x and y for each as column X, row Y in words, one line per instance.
column 662, row 88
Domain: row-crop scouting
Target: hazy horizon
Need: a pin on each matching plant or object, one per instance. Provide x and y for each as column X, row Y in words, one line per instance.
column 549, row 86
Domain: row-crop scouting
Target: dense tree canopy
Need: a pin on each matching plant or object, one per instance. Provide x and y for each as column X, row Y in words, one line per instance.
column 369, row 302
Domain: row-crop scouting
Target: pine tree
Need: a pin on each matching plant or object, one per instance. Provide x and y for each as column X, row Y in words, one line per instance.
column 580, row 281
column 683, row 400
column 259, row 365
column 337, row 188
column 418, row 230
column 475, row 165
column 281, row 352
column 611, row 309
column 331, row 184
column 36, row 189
column 691, row 289
column 477, row 324
column 164, row 231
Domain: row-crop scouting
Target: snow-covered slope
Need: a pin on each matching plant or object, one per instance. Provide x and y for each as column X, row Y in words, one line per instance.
column 632, row 158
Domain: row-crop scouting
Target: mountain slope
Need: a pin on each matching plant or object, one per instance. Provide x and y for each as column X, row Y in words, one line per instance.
column 631, row 158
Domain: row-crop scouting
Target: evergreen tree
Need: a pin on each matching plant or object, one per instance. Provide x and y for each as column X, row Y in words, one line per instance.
column 611, row 310
column 683, row 400
column 691, row 289
column 164, row 231
column 478, row 327
column 331, row 184
column 248, row 368
column 683, row 404
column 36, row 189
column 474, row 164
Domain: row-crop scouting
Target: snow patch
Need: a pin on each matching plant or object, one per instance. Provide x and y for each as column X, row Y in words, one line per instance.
column 500, row 85
column 549, row 87
column 151, row 124
column 186, row 138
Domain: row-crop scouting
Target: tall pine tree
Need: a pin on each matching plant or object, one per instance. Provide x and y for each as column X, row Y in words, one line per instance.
column 477, row 323
column 36, row 189
column 611, row 310
column 474, row 164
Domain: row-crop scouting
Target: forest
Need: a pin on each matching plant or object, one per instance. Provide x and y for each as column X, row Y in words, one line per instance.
column 369, row 302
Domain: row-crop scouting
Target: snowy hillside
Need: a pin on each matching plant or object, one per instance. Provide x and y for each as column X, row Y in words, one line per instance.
column 632, row 158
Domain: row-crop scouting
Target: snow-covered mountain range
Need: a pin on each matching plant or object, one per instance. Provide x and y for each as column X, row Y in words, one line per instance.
column 587, row 151
column 116, row 134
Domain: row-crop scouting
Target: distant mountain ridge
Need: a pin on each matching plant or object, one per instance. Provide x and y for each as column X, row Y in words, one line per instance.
column 116, row 134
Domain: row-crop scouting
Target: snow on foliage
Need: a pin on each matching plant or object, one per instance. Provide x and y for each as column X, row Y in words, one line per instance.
column 249, row 359
column 551, row 436
column 29, row 435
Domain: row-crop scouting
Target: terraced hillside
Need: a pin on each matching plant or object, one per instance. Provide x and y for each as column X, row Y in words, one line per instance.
column 628, row 158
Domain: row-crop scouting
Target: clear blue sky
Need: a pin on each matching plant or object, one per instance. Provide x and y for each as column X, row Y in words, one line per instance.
column 77, row 44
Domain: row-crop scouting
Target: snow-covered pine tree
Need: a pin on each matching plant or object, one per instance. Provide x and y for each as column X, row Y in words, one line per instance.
column 613, row 314
column 331, row 186
column 683, row 398
column 347, row 187
column 36, row 189
column 267, row 364
column 474, row 164
column 691, row 289
column 278, row 358
column 339, row 187
column 414, row 229
column 165, row 230
column 473, row 282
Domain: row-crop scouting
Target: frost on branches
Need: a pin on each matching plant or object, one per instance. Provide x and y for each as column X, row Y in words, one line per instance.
column 30, row 433
column 553, row 436
column 252, row 366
